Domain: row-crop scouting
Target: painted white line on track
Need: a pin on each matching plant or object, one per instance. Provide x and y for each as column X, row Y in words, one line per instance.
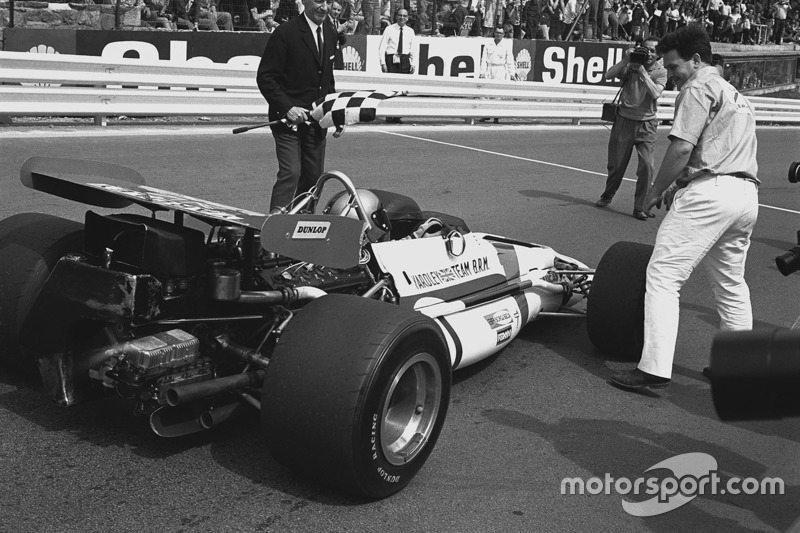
column 548, row 163
column 510, row 156
column 141, row 130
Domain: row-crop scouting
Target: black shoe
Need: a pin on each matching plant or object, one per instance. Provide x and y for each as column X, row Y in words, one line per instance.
column 707, row 372
column 602, row 202
column 640, row 215
column 636, row 379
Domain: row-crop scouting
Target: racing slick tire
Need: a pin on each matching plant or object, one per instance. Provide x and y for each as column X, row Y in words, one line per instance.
column 356, row 394
column 30, row 246
column 615, row 308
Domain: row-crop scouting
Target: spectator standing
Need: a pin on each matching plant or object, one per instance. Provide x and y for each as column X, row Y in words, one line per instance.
column 624, row 18
column 396, row 51
column 708, row 181
column 530, row 18
column 497, row 60
column 608, row 19
column 296, row 69
column 341, row 38
column 570, row 14
column 673, row 16
column 639, row 17
column 512, row 15
column 636, row 125
column 557, row 20
column 372, row 16
column 452, row 26
column 780, row 11
column 747, row 26
column 591, row 20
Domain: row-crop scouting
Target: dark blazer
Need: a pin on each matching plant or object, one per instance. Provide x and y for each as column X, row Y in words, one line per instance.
column 290, row 73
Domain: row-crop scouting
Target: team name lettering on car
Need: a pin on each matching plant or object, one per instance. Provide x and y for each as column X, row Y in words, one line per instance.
column 311, row 230
column 450, row 274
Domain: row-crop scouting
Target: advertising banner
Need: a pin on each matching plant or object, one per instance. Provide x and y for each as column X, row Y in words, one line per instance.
column 542, row 61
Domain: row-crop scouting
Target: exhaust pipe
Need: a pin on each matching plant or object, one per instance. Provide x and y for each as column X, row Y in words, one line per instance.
column 184, row 394
column 218, row 415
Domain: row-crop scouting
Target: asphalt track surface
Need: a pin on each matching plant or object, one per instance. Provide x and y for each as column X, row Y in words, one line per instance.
column 518, row 423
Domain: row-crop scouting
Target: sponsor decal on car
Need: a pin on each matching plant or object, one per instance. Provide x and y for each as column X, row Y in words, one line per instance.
column 177, row 201
column 504, row 335
column 454, row 272
column 311, row 230
column 498, row 319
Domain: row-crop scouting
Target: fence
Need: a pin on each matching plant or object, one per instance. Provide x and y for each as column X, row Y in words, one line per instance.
column 68, row 85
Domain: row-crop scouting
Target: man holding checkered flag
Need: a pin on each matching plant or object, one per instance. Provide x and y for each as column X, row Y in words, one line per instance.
column 296, row 69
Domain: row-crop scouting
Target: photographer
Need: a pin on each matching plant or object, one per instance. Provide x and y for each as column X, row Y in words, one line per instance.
column 712, row 156
column 643, row 79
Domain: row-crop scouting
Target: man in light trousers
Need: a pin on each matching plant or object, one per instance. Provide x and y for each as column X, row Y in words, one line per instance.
column 708, row 181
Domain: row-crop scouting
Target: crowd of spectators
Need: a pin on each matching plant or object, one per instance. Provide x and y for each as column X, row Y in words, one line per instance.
column 734, row 21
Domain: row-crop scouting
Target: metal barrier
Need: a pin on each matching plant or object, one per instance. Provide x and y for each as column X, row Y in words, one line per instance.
column 69, row 85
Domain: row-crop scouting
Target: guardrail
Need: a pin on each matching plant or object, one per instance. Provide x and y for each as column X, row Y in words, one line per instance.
column 68, row 85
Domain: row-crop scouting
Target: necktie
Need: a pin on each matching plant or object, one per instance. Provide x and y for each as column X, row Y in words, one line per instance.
column 319, row 42
column 400, row 42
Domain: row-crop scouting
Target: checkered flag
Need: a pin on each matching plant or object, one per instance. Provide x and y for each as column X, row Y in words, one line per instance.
column 349, row 107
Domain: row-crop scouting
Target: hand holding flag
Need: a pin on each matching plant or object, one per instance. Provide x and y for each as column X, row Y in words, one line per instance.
column 339, row 110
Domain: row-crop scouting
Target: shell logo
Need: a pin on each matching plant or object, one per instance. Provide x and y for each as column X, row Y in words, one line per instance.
column 523, row 63
column 42, row 49
column 351, row 59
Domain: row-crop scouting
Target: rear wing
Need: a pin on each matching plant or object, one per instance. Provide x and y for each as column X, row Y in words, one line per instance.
column 115, row 186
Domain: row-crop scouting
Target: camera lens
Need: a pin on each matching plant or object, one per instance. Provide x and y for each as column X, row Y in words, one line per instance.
column 794, row 172
column 755, row 375
column 789, row 261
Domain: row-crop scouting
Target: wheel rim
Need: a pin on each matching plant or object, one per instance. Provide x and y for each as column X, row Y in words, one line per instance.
column 411, row 408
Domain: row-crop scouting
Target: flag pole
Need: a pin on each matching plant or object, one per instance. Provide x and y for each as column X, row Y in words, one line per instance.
column 248, row 128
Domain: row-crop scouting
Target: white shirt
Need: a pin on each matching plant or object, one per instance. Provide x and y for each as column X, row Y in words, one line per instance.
column 390, row 40
column 313, row 25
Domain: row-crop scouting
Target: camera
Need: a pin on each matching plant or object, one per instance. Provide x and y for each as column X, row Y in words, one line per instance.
column 755, row 375
column 639, row 56
column 789, row 261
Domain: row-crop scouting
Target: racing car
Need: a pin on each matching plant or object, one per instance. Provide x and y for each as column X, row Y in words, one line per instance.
column 340, row 320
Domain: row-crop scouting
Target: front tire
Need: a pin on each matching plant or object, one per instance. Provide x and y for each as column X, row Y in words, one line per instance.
column 356, row 394
column 615, row 309
column 30, row 246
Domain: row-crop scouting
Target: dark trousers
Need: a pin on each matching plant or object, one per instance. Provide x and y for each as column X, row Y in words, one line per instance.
column 403, row 67
column 777, row 30
column 301, row 158
column 625, row 135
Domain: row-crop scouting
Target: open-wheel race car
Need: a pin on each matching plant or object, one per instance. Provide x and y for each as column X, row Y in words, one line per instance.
column 342, row 323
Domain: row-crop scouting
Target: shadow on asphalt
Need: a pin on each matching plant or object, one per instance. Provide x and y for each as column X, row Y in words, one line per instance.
column 631, row 449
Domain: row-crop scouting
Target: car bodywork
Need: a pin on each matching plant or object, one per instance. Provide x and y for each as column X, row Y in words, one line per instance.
column 184, row 322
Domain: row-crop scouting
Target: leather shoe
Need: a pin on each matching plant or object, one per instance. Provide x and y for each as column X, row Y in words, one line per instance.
column 640, row 215
column 636, row 379
column 602, row 202
column 707, row 372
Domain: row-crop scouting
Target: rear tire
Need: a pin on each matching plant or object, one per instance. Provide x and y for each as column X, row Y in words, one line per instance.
column 356, row 394
column 615, row 308
column 30, row 246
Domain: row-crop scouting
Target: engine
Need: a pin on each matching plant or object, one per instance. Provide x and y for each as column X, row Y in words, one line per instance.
column 145, row 366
